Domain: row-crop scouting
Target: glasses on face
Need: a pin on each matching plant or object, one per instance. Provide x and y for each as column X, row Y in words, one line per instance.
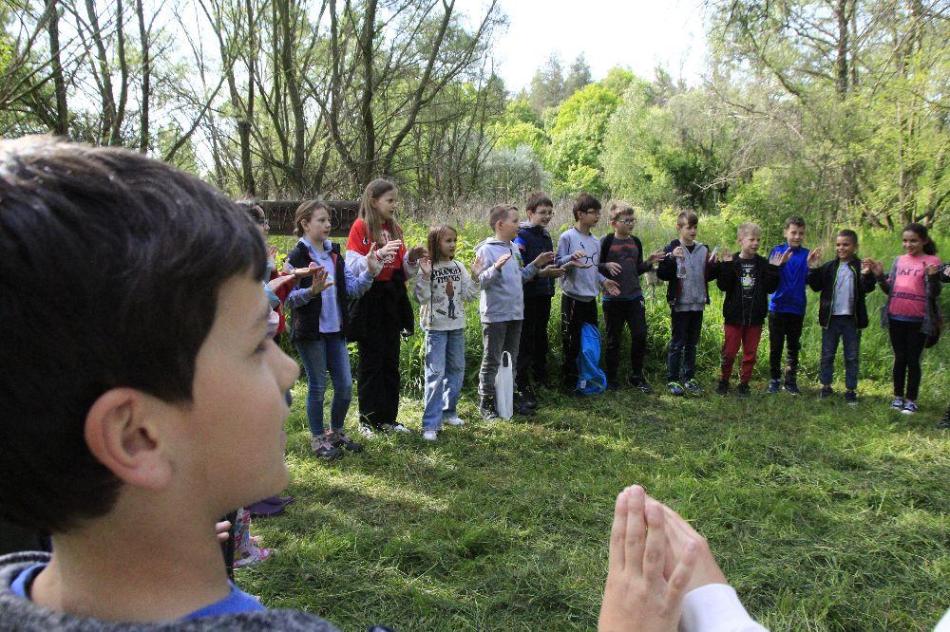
column 629, row 221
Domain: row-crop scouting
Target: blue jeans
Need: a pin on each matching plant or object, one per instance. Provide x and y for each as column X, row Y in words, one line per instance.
column 445, row 369
column 843, row 328
column 318, row 356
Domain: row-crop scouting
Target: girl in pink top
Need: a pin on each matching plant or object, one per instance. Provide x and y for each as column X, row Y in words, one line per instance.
column 910, row 314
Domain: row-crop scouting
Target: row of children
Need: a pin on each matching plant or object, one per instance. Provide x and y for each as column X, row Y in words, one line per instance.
column 513, row 276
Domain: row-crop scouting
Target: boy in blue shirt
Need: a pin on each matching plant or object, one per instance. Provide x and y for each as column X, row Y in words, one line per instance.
column 787, row 307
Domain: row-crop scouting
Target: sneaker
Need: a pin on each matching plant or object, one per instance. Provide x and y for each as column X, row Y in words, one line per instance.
column 850, row 397
column 486, row 408
column 723, row 387
column 743, row 389
column 641, row 383
column 774, row 386
column 366, row 431
column 693, row 388
column 453, row 420
column 791, row 386
column 825, row 392
column 430, row 435
column 528, row 398
column 897, row 403
column 676, row 389
column 522, row 408
column 909, row 407
column 322, row 447
column 338, row 439
column 394, row 427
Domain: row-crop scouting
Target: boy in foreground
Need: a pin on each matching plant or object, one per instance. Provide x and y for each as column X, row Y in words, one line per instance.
column 129, row 429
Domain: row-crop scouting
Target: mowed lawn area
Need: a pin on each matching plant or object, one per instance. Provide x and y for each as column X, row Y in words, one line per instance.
column 824, row 517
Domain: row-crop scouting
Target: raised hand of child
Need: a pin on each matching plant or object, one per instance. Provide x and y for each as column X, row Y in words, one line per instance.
column 656, row 255
column 867, row 266
column 425, row 266
column 417, row 253
column 932, row 269
column 543, row 259
column 878, row 268
column 271, row 251
column 683, row 538
column 726, row 257
column 278, row 282
column 320, row 280
column 373, row 263
column 679, row 252
column 388, row 252
column 780, row 259
column 613, row 268
column 814, row 258
column 637, row 595
column 502, row 260
column 552, row 272
column 611, row 287
column 477, row 267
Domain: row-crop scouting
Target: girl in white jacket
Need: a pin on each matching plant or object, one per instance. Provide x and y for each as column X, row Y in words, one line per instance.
column 443, row 285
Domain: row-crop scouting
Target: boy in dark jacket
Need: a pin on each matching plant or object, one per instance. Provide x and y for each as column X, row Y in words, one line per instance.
column 842, row 313
column 747, row 278
column 533, row 239
column 621, row 259
column 687, row 268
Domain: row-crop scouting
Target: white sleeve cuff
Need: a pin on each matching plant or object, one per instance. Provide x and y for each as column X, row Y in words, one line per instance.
column 716, row 608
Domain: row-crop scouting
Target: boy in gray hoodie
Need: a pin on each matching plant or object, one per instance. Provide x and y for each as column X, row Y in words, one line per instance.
column 501, row 303
column 578, row 251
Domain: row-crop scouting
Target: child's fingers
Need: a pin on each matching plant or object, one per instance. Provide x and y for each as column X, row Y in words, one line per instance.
column 654, row 551
column 328, row 283
column 617, row 532
column 636, row 528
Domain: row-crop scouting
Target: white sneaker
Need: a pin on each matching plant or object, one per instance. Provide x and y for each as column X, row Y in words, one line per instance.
column 395, row 428
column 454, row 421
column 366, row 431
column 430, row 435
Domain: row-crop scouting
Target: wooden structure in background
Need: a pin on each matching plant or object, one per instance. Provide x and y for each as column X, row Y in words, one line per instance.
column 280, row 215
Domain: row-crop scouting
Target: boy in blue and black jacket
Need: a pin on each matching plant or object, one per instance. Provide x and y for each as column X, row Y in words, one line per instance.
column 787, row 307
column 533, row 239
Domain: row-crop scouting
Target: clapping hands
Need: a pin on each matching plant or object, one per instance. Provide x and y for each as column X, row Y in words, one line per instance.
column 321, row 280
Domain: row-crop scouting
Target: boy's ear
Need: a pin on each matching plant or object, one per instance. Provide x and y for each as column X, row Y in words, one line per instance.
column 122, row 432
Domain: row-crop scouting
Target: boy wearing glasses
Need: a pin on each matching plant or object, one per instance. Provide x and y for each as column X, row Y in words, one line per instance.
column 621, row 259
column 578, row 252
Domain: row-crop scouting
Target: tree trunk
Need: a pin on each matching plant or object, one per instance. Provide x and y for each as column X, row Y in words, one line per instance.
column 144, row 137
column 61, row 127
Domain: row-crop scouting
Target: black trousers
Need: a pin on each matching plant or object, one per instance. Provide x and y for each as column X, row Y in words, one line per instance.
column 574, row 314
column 617, row 315
column 908, row 343
column 785, row 330
column 533, row 349
column 378, row 375
column 681, row 357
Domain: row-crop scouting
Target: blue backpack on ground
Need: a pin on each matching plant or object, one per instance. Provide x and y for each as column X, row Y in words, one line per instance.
column 591, row 379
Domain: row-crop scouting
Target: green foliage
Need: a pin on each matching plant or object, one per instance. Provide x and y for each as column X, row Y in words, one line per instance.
column 577, row 136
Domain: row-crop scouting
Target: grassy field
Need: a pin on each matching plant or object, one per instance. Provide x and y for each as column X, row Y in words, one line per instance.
column 824, row 517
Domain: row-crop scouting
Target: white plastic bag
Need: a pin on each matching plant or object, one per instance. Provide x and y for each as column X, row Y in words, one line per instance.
column 505, row 388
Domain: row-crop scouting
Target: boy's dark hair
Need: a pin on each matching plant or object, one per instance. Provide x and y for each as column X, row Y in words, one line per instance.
column 796, row 220
column 849, row 234
column 499, row 212
column 930, row 248
column 687, row 218
column 536, row 199
column 585, row 202
column 110, row 265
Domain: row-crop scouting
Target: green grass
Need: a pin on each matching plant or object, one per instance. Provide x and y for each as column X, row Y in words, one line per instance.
column 824, row 517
